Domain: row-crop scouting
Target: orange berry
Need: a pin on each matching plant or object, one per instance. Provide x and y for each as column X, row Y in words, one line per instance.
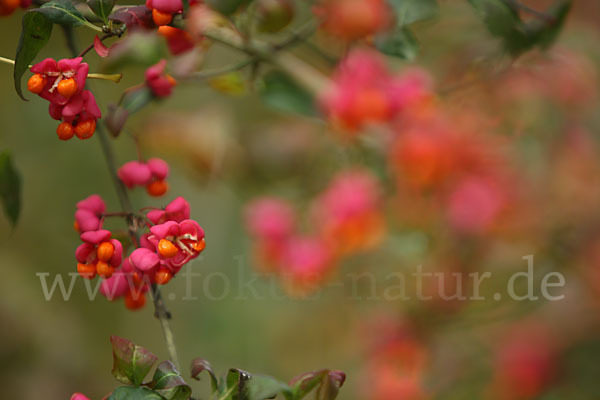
column 104, row 269
column 65, row 131
column 161, row 18
column 67, row 87
column 371, row 105
column 167, row 249
column 7, row 7
column 167, row 31
column 163, row 276
column 105, row 251
column 76, row 226
column 85, row 129
column 36, row 83
column 134, row 301
column 157, row 188
column 355, row 19
column 171, row 80
column 199, row 245
column 87, row 271
column 136, row 279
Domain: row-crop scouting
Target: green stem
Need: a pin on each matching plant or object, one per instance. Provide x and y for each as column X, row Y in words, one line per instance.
column 7, row 60
column 92, row 26
column 164, row 316
column 116, row 78
column 227, row 394
column 124, row 200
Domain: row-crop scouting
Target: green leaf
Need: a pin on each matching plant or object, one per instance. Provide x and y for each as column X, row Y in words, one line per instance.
column 235, row 384
column 502, row 20
column 131, row 363
column 62, row 12
column 265, row 387
column 131, row 102
column 168, row 382
column 101, row 8
column 282, row 93
column 200, row 365
column 327, row 382
column 544, row 33
column 10, row 188
column 134, row 393
column 400, row 43
column 499, row 18
column 35, row 33
column 410, row 11
column 135, row 100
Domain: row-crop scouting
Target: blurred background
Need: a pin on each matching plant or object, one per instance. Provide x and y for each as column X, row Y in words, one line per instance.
column 538, row 119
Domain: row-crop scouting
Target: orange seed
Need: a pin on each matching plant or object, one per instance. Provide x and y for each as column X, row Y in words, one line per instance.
column 67, row 87
column 167, row 249
column 36, row 83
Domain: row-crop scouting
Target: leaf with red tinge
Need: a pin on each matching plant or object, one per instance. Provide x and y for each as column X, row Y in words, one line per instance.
column 136, row 16
column 169, row 384
column 331, row 385
column 134, row 393
column 100, row 48
column 131, row 363
column 327, row 382
column 200, row 365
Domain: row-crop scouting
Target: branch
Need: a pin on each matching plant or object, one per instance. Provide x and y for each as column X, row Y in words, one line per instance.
column 207, row 74
column 302, row 72
column 163, row 315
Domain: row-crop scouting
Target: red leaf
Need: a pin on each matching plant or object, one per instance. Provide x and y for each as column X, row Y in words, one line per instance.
column 100, row 48
column 134, row 17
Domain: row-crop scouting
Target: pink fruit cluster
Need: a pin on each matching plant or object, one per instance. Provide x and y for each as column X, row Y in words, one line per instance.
column 99, row 254
column 364, row 91
column 173, row 239
column 158, row 81
column 461, row 168
column 347, row 218
column 151, row 174
column 396, row 361
column 62, row 83
column 164, row 10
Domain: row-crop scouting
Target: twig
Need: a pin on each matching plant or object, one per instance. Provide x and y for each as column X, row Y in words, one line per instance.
column 298, row 36
column 163, row 315
column 203, row 75
column 91, row 46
